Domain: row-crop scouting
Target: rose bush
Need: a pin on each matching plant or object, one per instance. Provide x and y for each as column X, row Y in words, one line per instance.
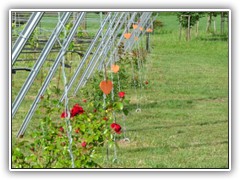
column 91, row 125
column 48, row 146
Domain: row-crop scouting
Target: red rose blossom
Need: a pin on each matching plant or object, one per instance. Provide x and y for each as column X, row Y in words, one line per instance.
column 77, row 130
column 105, row 118
column 84, row 144
column 61, row 129
column 121, row 94
column 76, row 110
column 64, row 115
column 116, row 127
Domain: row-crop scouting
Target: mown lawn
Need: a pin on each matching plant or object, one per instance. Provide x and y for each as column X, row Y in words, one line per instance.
column 184, row 117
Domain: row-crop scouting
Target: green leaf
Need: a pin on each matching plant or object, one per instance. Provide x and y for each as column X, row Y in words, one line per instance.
column 125, row 111
column 71, row 46
column 105, row 131
column 83, row 127
column 127, row 101
column 96, row 137
column 118, row 106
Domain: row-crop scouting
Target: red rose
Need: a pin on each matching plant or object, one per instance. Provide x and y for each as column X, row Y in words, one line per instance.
column 121, row 94
column 76, row 110
column 116, row 127
column 61, row 129
column 105, row 118
column 84, row 144
column 77, row 130
column 64, row 115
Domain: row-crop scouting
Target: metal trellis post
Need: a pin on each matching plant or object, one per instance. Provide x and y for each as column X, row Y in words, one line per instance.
column 51, row 73
column 25, row 34
column 46, row 50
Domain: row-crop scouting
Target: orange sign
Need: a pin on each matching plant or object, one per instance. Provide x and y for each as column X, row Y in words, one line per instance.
column 135, row 26
column 149, row 30
column 115, row 68
column 106, row 86
column 127, row 35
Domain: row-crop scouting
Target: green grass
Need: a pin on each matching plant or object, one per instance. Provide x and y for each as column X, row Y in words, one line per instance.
column 184, row 117
column 183, row 121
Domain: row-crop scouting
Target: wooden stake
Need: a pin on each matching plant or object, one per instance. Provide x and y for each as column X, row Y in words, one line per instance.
column 189, row 35
column 180, row 29
column 197, row 27
column 105, row 71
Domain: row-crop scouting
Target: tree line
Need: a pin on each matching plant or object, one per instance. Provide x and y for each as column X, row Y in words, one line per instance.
column 189, row 19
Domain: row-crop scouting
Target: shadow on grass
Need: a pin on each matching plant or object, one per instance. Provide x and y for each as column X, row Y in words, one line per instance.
column 167, row 148
column 159, row 150
column 201, row 144
column 178, row 125
column 171, row 104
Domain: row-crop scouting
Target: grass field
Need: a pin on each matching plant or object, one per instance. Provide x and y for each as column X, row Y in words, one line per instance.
column 184, row 117
column 183, row 121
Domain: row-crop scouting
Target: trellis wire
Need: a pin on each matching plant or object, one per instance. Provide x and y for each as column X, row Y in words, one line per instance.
column 45, row 53
column 114, row 37
column 106, row 48
column 143, row 21
column 113, row 112
column 104, row 107
column 122, row 36
column 66, row 109
column 139, row 73
column 119, row 90
column 50, row 74
column 27, row 84
column 95, row 58
column 86, row 55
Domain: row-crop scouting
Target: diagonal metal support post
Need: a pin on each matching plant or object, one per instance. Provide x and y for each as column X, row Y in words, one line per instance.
column 25, row 34
column 87, row 54
column 103, row 45
column 143, row 22
column 51, row 73
column 122, row 36
column 46, row 50
column 114, row 38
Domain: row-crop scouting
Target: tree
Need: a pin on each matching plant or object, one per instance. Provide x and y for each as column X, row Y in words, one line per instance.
column 198, row 16
column 187, row 20
column 223, row 16
column 211, row 16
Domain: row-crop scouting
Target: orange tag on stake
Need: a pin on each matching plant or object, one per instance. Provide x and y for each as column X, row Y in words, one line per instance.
column 127, row 35
column 135, row 26
column 115, row 68
column 149, row 30
column 141, row 28
column 106, row 86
